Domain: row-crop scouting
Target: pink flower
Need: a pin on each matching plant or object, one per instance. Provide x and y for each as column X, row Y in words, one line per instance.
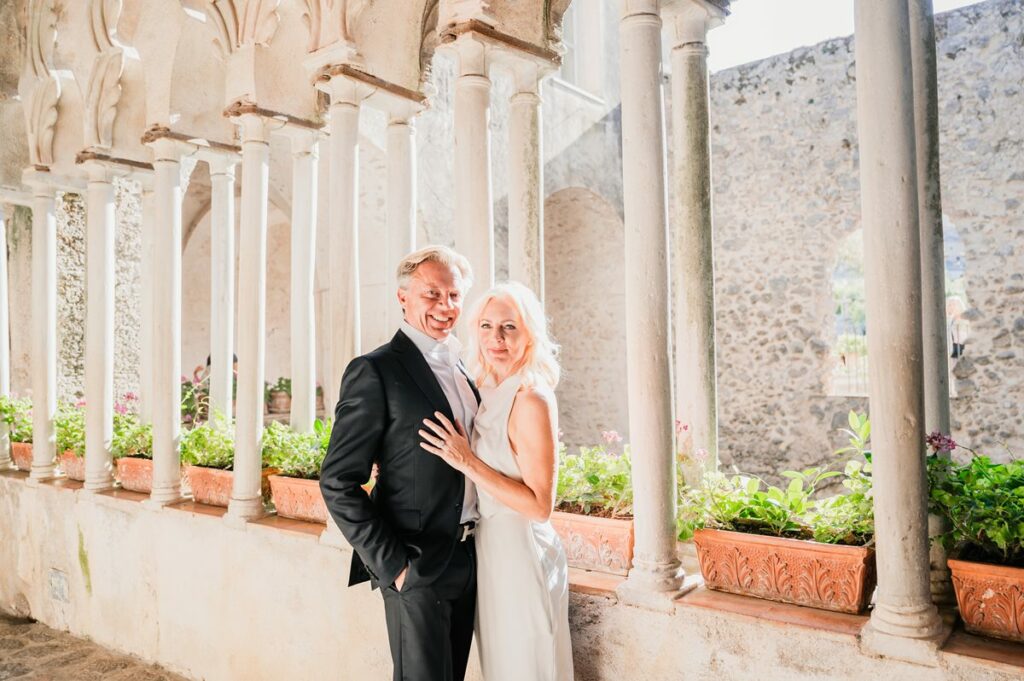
column 120, row 409
column 80, row 403
column 940, row 442
column 611, row 436
column 130, row 397
column 681, row 427
column 701, row 455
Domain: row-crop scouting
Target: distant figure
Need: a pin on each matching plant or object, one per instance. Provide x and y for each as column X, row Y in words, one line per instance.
column 959, row 328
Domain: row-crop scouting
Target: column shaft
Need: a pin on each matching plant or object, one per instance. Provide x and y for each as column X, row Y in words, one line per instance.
column 892, row 269
column 99, row 328
column 305, row 152
column 5, row 338
column 401, row 206
column 166, row 338
column 655, row 565
column 147, row 314
column 44, row 323
column 222, row 286
column 526, row 188
column 246, row 499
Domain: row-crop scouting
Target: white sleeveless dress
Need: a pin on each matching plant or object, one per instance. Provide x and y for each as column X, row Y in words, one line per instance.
column 522, row 625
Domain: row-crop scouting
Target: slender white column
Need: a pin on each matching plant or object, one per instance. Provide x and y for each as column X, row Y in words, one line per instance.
column 44, row 323
column 166, row 339
column 526, row 180
column 343, row 234
column 474, row 214
column 904, row 622
column 99, row 327
column 222, row 283
column 5, row 337
column 305, row 155
column 147, row 313
column 246, row 500
column 692, row 246
column 401, row 204
column 656, row 570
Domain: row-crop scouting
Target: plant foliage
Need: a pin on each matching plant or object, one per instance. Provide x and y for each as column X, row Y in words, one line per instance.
column 595, row 481
column 17, row 414
column 296, row 455
column 210, row 444
column 69, row 424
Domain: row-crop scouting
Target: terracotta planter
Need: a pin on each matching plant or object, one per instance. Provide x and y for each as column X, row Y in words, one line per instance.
column 280, row 402
column 599, row 544
column 298, row 498
column 826, row 576
column 212, row 486
column 21, row 454
column 991, row 598
column 73, row 465
column 135, row 474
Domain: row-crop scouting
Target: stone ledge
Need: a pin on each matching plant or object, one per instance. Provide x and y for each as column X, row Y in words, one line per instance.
column 1000, row 655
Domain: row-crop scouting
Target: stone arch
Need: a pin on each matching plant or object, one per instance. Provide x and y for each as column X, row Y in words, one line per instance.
column 585, row 293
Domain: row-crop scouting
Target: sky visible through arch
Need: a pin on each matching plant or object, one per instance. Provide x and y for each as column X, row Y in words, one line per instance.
column 761, row 28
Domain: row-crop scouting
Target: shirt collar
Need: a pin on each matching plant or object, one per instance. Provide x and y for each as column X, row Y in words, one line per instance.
column 447, row 350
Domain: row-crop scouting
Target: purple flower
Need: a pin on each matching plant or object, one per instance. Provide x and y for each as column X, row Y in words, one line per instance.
column 940, row 442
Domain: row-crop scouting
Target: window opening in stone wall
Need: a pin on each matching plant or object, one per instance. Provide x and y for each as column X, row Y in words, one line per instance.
column 582, row 62
column 849, row 371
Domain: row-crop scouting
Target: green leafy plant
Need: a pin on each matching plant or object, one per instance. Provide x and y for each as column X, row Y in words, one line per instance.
column 982, row 501
column 295, row 455
column 17, row 414
column 859, row 434
column 69, row 424
column 595, row 481
column 283, row 385
column 210, row 444
column 132, row 438
column 195, row 401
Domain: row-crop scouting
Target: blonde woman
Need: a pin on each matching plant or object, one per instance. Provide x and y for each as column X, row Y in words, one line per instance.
column 522, row 625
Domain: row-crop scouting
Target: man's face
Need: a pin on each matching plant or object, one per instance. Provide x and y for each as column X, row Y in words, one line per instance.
column 433, row 300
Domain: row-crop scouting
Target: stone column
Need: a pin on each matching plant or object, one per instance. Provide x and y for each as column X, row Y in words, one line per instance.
column 526, row 179
column 222, row 283
column 401, row 204
column 656, row 576
column 693, row 238
column 165, row 405
column 474, row 214
column 305, row 155
column 904, row 623
column 246, row 498
column 146, row 312
column 99, row 327
column 343, row 230
column 933, row 257
column 5, row 338
column 44, row 322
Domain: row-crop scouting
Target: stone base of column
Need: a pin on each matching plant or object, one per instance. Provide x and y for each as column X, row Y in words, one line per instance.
column 243, row 511
column 94, row 486
column 42, row 473
column 941, row 578
column 921, row 633
column 159, row 499
column 655, row 586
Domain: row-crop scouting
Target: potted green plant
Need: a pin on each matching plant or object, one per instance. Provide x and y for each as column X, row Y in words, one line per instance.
column 132, row 448
column 295, row 487
column 279, row 396
column 69, row 424
column 983, row 504
column 208, row 452
column 594, row 506
column 16, row 413
column 788, row 544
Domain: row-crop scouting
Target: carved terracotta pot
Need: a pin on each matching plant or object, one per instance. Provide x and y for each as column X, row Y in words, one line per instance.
column 212, row 486
column 280, row 402
column 73, row 465
column 599, row 544
column 135, row 474
column 826, row 576
column 21, row 454
column 991, row 598
column 298, row 498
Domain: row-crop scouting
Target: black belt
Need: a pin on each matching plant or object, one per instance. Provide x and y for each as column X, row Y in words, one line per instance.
column 468, row 530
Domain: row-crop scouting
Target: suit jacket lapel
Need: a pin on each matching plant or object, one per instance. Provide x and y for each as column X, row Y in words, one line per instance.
column 472, row 385
column 416, row 365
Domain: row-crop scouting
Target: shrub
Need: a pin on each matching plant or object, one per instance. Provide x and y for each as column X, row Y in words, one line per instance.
column 17, row 414
column 69, row 424
column 296, row 455
column 595, row 482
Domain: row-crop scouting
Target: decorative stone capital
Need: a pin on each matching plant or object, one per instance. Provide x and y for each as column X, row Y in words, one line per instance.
column 103, row 171
column 254, row 128
column 472, row 54
column 640, row 8
column 304, row 141
column 166, row 149
column 689, row 21
column 458, row 11
column 344, row 89
column 40, row 182
column 220, row 163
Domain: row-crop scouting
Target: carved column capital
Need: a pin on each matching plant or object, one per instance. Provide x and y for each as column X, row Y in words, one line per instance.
column 688, row 21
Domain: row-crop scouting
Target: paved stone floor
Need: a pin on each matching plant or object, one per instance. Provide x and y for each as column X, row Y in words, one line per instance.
column 31, row 651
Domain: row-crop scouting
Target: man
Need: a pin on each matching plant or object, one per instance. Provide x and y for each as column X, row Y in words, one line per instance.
column 413, row 535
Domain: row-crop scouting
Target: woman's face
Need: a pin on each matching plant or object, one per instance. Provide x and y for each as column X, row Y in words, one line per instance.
column 502, row 337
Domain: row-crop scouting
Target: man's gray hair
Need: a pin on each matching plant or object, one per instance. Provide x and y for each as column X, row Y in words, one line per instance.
column 442, row 255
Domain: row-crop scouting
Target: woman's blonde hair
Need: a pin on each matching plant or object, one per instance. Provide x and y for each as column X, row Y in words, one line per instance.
column 539, row 365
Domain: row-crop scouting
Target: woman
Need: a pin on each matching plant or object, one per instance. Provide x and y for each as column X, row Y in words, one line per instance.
column 522, row 628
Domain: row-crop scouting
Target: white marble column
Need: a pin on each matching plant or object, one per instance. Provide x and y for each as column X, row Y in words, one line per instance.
column 165, row 405
column 146, row 312
column 692, row 244
column 526, row 179
column 5, row 335
column 904, row 623
column 474, row 213
column 401, row 197
column 656, row 575
column 222, row 283
column 246, row 498
column 99, row 327
column 343, row 230
column 44, row 322
column 305, row 155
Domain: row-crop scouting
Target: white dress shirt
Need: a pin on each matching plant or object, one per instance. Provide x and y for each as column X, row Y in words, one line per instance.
column 443, row 359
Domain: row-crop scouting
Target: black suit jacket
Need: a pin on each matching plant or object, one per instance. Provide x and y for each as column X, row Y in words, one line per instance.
column 412, row 515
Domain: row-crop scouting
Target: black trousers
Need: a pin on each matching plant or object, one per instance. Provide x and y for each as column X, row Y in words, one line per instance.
column 430, row 627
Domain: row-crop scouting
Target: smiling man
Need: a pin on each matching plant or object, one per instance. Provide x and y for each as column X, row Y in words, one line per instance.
column 413, row 535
